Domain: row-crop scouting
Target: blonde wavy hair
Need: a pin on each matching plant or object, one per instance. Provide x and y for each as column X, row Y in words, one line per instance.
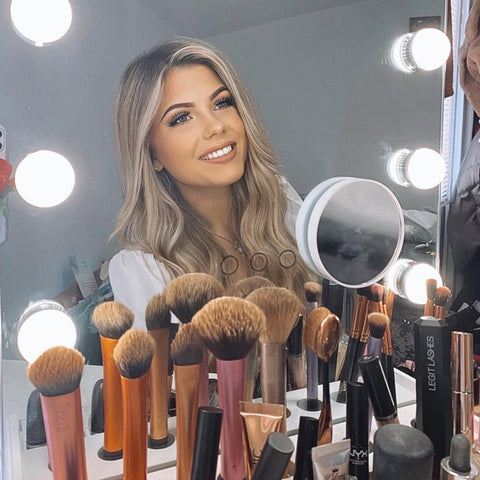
column 155, row 218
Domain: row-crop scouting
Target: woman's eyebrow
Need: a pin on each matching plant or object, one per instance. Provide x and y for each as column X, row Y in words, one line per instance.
column 189, row 104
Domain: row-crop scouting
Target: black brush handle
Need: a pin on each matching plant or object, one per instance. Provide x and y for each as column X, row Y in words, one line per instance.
column 312, row 377
column 307, row 439
column 350, row 360
column 97, row 417
column 35, row 426
column 274, row 458
column 387, row 363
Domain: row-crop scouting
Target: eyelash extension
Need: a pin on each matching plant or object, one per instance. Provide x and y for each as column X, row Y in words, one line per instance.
column 228, row 99
column 175, row 120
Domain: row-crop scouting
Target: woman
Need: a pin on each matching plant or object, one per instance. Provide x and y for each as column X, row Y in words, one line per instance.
column 203, row 190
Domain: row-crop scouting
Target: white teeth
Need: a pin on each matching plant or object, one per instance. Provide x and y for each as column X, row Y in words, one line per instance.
column 218, row 153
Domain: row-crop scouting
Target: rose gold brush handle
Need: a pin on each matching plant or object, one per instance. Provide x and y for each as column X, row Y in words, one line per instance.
column 231, row 390
column 134, row 393
column 62, row 416
column 203, row 393
column 272, row 372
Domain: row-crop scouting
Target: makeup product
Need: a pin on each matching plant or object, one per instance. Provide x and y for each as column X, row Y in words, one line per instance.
column 133, row 356
column 56, row 374
column 229, row 327
column 281, row 308
column 187, row 354
column 331, row 460
column 462, row 383
column 296, row 378
column 207, row 439
column 274, row 458
column 429, row 308
column 356, row 328
column 112, row 320
column 433, row 384
column 378, row 391
column 242, row 289
column 35, row 428
column 357, row 427
column 97, row 415
column 442, row 296
column 258, row 421
column 401, row 452
column 306, row 440
column 185, row 296
column 326, row 342
column 157, row 320
column 458, row 466
column 313, row 295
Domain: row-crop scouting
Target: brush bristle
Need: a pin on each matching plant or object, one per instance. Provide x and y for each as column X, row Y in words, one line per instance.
column 133, row 353
column 313, row 292
column 281, row 308
column 230, row 326
column 157, row 313
column 442, row 296
column 57, row 371
column 246, row 286
column 378, row 322
column 112, row 319
column 188, row 293
column 187, row 346
column 312, row 325
column 431, row 285
column 328, row 337
column 376, row 292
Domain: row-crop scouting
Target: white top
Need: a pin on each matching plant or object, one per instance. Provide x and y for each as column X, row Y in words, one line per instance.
column 136, row 276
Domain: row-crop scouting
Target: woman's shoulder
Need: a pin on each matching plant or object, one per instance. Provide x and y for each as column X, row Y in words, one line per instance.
column 131, row 261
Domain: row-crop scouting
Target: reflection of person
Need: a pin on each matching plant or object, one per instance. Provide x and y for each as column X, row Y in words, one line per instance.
column 201, row 180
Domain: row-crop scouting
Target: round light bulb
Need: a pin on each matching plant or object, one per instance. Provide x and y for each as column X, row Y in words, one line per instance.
column 426, row 168
column 408, row 279
column 43, row 325
column 44, row 178
column 430, row 48
column 41, row 21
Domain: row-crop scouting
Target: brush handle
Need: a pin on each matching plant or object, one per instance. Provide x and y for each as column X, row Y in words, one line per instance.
column 312, row 376
column 203, row 392
column 64, row 431
column 274, row 458
column 325, row 420
column 374, row 346
column 112, row 400
column 252, row 371
column 273, row 372
column 296, row 371
column 159, row 390
column 187, row 379
column 232, row 376
column 135, row 434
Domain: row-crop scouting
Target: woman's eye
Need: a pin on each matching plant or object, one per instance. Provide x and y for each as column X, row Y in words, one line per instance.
column 224, row 103
column 179, row 118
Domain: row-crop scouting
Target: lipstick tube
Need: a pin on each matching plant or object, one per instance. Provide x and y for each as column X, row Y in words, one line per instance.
column 112, row 398
column 62, row 416
column 135, row 434
column 232, row 375
column 272, row 373
column 462, row 384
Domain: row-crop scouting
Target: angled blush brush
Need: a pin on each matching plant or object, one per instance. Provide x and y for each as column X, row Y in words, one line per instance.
column 157, row 320
column 187, row 354
column 229, row 327
column 185, row 296
column 56, row 374
column 112, row 320
column 281, row 308
column 133, row 356
column 242, row 289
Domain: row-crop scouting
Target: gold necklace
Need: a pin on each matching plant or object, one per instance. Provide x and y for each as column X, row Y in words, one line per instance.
column 235, row 243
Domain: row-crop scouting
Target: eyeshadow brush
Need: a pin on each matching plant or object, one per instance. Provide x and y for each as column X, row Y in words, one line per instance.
column 442, row 296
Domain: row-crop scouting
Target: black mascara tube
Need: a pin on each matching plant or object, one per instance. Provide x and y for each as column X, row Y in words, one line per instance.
column 207, row 439
column 307, row 439
column 274, row 458
column 357, row 430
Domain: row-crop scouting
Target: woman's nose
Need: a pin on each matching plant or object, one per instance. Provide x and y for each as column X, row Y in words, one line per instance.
column 214, row 125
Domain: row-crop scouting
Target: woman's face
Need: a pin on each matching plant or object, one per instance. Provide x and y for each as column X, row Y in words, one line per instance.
column 198, row 135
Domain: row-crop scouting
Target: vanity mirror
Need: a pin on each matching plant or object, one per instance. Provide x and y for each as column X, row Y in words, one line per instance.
column 319, row 71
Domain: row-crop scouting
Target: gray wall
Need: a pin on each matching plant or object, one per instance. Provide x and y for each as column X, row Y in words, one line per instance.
column 328, row 97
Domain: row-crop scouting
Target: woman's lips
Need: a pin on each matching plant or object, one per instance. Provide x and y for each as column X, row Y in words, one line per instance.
column 220, row 155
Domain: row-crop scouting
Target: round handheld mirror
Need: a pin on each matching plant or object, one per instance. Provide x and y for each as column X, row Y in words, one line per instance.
column 353, row 231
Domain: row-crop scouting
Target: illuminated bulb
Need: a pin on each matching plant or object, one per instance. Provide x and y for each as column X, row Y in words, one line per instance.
column 408, row 279
column 426, row 49
column 44, row 178
column 43, row 325
column 41, row 21
column 424, row 168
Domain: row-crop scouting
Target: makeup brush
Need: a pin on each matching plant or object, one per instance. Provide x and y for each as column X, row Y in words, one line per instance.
column 358, row 321
column 185, row 296
column 377, row 322
column 313, row 295
column 431, row 287
column 229, row 327
column 112, row 320
column 326, row 342
column 187, row 354
column 242, row 289
column 35, row 427
column 133, row 356
column 281, row 308
column 296, row 377
column 442, row 296
column 56, row 374
column 157, row 320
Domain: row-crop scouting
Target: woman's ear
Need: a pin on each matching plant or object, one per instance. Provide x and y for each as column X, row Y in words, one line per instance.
column 157, row 166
